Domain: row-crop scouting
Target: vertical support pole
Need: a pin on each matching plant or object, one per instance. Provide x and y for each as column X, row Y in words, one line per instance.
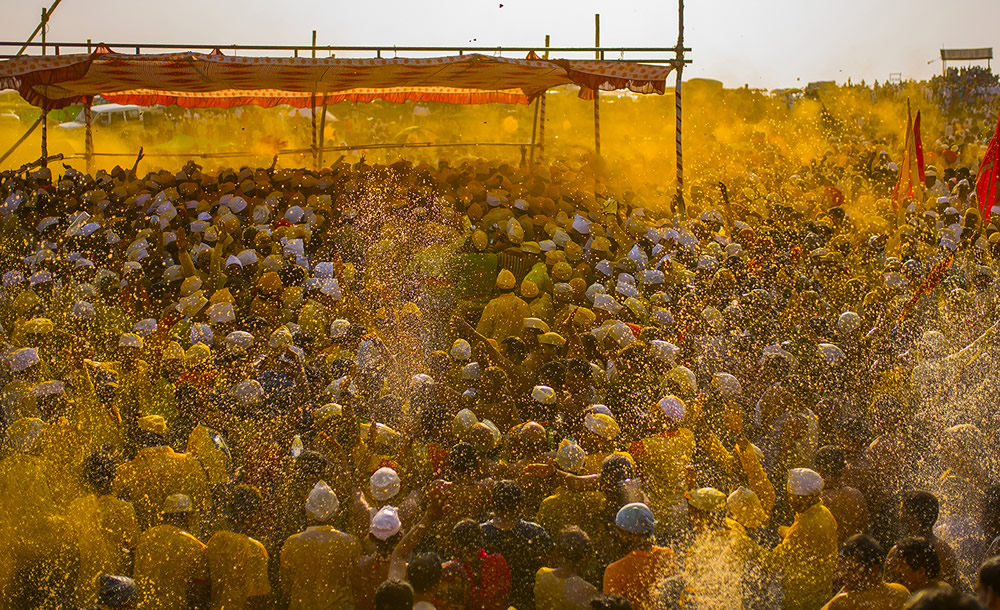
column 45, row 26
column 88, row 47
column 534, row 132
column 681, row 208
column 315, row 148
column 322, row 133
column 597, row 92
column 541, row 111
column 88, row 139
column 45, row 138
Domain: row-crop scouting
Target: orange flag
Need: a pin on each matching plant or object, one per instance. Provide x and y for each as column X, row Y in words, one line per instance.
column 911, row 178
column 989, row 176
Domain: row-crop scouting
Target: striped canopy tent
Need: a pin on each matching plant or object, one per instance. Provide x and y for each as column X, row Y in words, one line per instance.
column 200, row 80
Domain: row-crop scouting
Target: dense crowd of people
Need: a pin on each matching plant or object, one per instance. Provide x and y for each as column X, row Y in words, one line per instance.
column 472, row 384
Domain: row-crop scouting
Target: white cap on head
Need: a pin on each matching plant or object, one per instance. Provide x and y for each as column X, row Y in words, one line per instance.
column 581, row 224
column 249, row 392
column 727, row 385
column 322, row 502
column 40, row 278
column 82, row 310
column 234, row 260
column 12, row 278
column 220, row 313
column 331, row 288
column 130, row 340
column 472, row 371
column 570, row 456
column 247, row 257
column 339, row 328
column 607, row 303
column 804, row 482
column 672, row 407
column 240, row 339
column 145, row 328
column 664, row 350
column 461, row 350
column 848, row 322
column 543, row 394
column 294, row 214
column 202, row 333
column 323, row 270
column 384, row 484
column 385, row 523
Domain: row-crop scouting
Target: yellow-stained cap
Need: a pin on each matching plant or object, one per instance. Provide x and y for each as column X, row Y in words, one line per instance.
column 154, row 424
column 410, row 308
column 269, row 283
column 197, row 354
column 506, row 280
column 562, row 271
column 173, row 351
column 38, row 326
column 551, row 338
column 529, row 289
column 221, row 296
column 707, row 499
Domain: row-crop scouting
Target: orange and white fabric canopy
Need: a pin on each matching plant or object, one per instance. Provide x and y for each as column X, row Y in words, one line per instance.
column 198, row 80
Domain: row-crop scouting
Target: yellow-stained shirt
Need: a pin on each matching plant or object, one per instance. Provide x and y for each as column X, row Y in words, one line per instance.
column 316, row 569
column 553, row 592
column 237, row 567
column 662, row 459
column 158, row 472
column 886, row 596
column 807, row 558
column 105, row 529
column 565, row 508
column 503, row 317
column 168, row 562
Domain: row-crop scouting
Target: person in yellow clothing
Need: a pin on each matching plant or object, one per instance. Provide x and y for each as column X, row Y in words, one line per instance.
column 171, row 568
column 316, row 564
column 860, row 569
column 562, row 587
column 807, row 557
column 39, row 554
column 722, row 560
column 157, row 472
column 566, row 507
column 662, row 459
column 237, row 564
column 105, row 528
column 503, row 315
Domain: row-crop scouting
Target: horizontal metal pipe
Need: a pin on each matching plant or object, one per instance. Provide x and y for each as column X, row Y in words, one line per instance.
column 360, row 48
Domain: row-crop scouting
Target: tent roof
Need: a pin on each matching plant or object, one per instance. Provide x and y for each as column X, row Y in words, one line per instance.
column 197, row 80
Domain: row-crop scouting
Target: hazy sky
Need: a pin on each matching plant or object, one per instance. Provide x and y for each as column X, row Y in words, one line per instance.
column 763, row 43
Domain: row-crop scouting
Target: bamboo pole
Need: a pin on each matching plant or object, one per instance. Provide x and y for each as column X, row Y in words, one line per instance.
column 315, row 148
column 45, row 138
column 541, row 111
column 88, row 138
column 681, row 208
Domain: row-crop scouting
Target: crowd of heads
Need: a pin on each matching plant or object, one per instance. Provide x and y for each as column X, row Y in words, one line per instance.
column 471, row 383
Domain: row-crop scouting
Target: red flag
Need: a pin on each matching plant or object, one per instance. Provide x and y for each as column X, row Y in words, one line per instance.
column 910, row 184
column 989, row 176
